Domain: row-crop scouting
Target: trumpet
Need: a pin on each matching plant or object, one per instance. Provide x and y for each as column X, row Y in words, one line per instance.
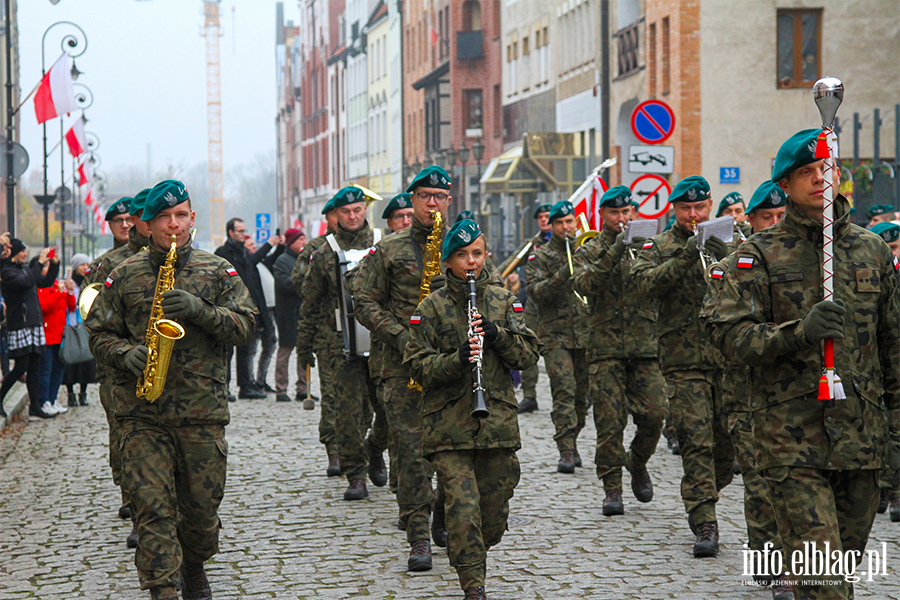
column 586, row 234
column 572, row 271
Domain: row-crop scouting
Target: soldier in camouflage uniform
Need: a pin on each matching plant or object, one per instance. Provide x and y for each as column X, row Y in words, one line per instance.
column 138, row 236
column 733, row 205
column 353, row 389
column 475, row 459
column 531, row 374
column 821, row 459
column 669, row 268
column 173, row 449
column 386, row 291
column 563, row 331
column 622, row 353
column 120, row 226
column 326, row 344
column 766, row 207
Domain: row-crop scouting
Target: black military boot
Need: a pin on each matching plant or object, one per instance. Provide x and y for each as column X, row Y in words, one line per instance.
column 194, row 584
column 528, row 405
column 475, row 593
column 163, row 593
column 334, row 466
column 612, row 504
column 707, row 543
column 577, row 457
column 356, row 490
column 124, row 512
column 377, row 469
column 439, row 525
column 895, row 509
column 132, row 540
column 566, row 461
column 641, row 484
column 419, row 556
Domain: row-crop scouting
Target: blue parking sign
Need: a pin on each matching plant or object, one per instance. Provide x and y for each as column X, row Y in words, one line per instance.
column 729, row 175
column 262, row 235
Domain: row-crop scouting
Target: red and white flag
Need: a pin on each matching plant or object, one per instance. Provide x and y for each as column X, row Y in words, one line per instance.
column 84, row 173
column 75, row 138
column 104, row 228
column 55, row 96
column 586, row 199
column 434, row 35
column 89, row 197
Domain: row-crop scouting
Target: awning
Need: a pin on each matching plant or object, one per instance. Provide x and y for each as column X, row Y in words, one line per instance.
column 544, row 162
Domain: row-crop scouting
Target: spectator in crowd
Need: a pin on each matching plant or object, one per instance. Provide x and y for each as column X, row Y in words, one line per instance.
column 55, row 301
column 85, row 372
column 4, row 350
column 287, row 305
column 234, row 251
column 19, row 283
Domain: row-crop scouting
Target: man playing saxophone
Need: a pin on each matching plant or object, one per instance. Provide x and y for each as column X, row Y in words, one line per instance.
column 173, row 449
column 386, row 290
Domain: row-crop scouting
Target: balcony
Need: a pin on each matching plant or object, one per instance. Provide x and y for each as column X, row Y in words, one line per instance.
column 469, row 45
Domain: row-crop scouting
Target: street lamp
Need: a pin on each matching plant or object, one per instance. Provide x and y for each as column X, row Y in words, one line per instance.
column 463, row 159
column 478, row 153
column 416, row 167
column 427, row 161
column 440, row 159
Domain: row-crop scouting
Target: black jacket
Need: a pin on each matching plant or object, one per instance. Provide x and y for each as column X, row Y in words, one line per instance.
column 287, row 302
column 245, row 264
column 19, row 284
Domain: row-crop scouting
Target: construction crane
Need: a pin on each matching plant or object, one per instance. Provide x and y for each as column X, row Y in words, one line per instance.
column 212, row 32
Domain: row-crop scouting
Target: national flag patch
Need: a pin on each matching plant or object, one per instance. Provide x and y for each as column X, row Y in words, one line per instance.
column 647, row 244
column 896, row 264
column 372, row 250
column 532, row 257
column 717, row 274
column 415, row 320
column 109, row 281
column 517, row 307
column 745, row 262
column 231, row 271
column 87, row 271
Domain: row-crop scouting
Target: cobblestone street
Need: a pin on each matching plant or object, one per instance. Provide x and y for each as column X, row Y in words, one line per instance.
column 288, row 533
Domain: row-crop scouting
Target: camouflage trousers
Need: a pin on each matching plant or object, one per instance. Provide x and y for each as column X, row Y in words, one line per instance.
column 477, row 485
column 391, row 443
column 403, row 408
column 529, row 381
column 758, row 511
column 816, row 507
column 327, row 361
column 176, row 476
column 701, row 426
column 619, row 388
column 354, row 396
column 568, row 373
column 379, row 435
column 115, row 435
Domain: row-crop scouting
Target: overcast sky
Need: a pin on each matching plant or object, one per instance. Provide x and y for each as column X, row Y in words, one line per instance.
column 145, row 64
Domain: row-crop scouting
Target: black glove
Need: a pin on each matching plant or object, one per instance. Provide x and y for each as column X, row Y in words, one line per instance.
column 136, row 359
column 464, row 353
column 825, row 320
column 489, row 330
column 717, row 248
column 181, row 304
column 619, row 246
column 637, row 243
column 691, row 250
column 307, row 359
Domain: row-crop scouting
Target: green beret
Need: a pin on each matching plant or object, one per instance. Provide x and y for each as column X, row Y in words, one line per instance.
column 879, row 209
column 768, row 195
column 690, row 189
column 432, row 177
column 399, row 201
column 543, row 208
column 465, row 214
column 797, row 151
column 120, row 207
column 460, row 235
column 165, row 194
column 137, row 203
column 889, row 232
column 729, row 200
column 616, row 197
column 561, row 209
column 348, row 195
column 329, row 206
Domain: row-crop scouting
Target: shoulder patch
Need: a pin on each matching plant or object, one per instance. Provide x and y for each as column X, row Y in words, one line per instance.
column 231, row 271
column 517, row 307
column 531, row 257
column 745, row 262
column 896, row 264
column 372, row 250
column 717, row 274
column 415, row 320
column 647, row 244
column 87, row 271
column 109, row 282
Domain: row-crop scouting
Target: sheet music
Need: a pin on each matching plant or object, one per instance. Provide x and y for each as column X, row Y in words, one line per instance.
column 642, row 228
column 720, row 227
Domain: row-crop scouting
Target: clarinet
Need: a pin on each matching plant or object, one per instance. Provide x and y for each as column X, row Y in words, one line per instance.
column 481, row 411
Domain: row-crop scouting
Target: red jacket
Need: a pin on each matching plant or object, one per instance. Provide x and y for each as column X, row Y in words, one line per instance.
column 54, row 305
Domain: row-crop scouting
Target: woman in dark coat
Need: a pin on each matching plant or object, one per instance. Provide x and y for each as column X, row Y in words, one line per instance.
column 19, row 283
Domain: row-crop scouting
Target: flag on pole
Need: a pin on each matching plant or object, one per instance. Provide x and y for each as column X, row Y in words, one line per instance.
column 84, row 173
column 104, row 228
column 434, row 35
column 586, row 200
column 75, row 138
column 55, row 95
column 89, row 197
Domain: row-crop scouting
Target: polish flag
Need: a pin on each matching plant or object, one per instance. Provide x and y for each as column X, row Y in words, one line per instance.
column 104, row 227
column 55, row 96
column 89, row 198
column 586, row 200
column 75, row 138
column 434, row 36
column 84, row 173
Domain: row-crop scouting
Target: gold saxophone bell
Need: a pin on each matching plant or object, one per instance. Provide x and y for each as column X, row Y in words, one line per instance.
column 369, row 194
column 168, row 332
column 86, row 299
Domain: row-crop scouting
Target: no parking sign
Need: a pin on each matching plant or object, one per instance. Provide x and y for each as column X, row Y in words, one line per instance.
column 653, row 121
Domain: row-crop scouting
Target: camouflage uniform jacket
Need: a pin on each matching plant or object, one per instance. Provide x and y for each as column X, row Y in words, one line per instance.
column 318, row 316
column 323, row 341
column 562, row 319
column 662, row 271
column 622, row 326
column 386, row 292
column 768, row 290
column 104, row 264
column 195, row 391
column 438, row 327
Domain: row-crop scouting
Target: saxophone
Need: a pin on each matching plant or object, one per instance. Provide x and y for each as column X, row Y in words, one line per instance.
column 161, row 334
column 431, row 267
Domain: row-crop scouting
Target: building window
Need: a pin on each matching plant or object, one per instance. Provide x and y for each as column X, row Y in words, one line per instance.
column 651, row 58
column 799, row 47
column 537, row 39
column 665, row 55
column 473, row 109
column 629, row 46
column 525, row 49
column 471, row 15
column 498, row 111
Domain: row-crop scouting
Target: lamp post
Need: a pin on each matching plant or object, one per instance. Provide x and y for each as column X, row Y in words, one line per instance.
column 416, row 167
column 427, row 161
column 440, row 159
column 463, row 159
column 478, row 154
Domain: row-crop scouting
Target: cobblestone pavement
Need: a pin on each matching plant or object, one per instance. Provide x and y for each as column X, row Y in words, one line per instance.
column 288, row 534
